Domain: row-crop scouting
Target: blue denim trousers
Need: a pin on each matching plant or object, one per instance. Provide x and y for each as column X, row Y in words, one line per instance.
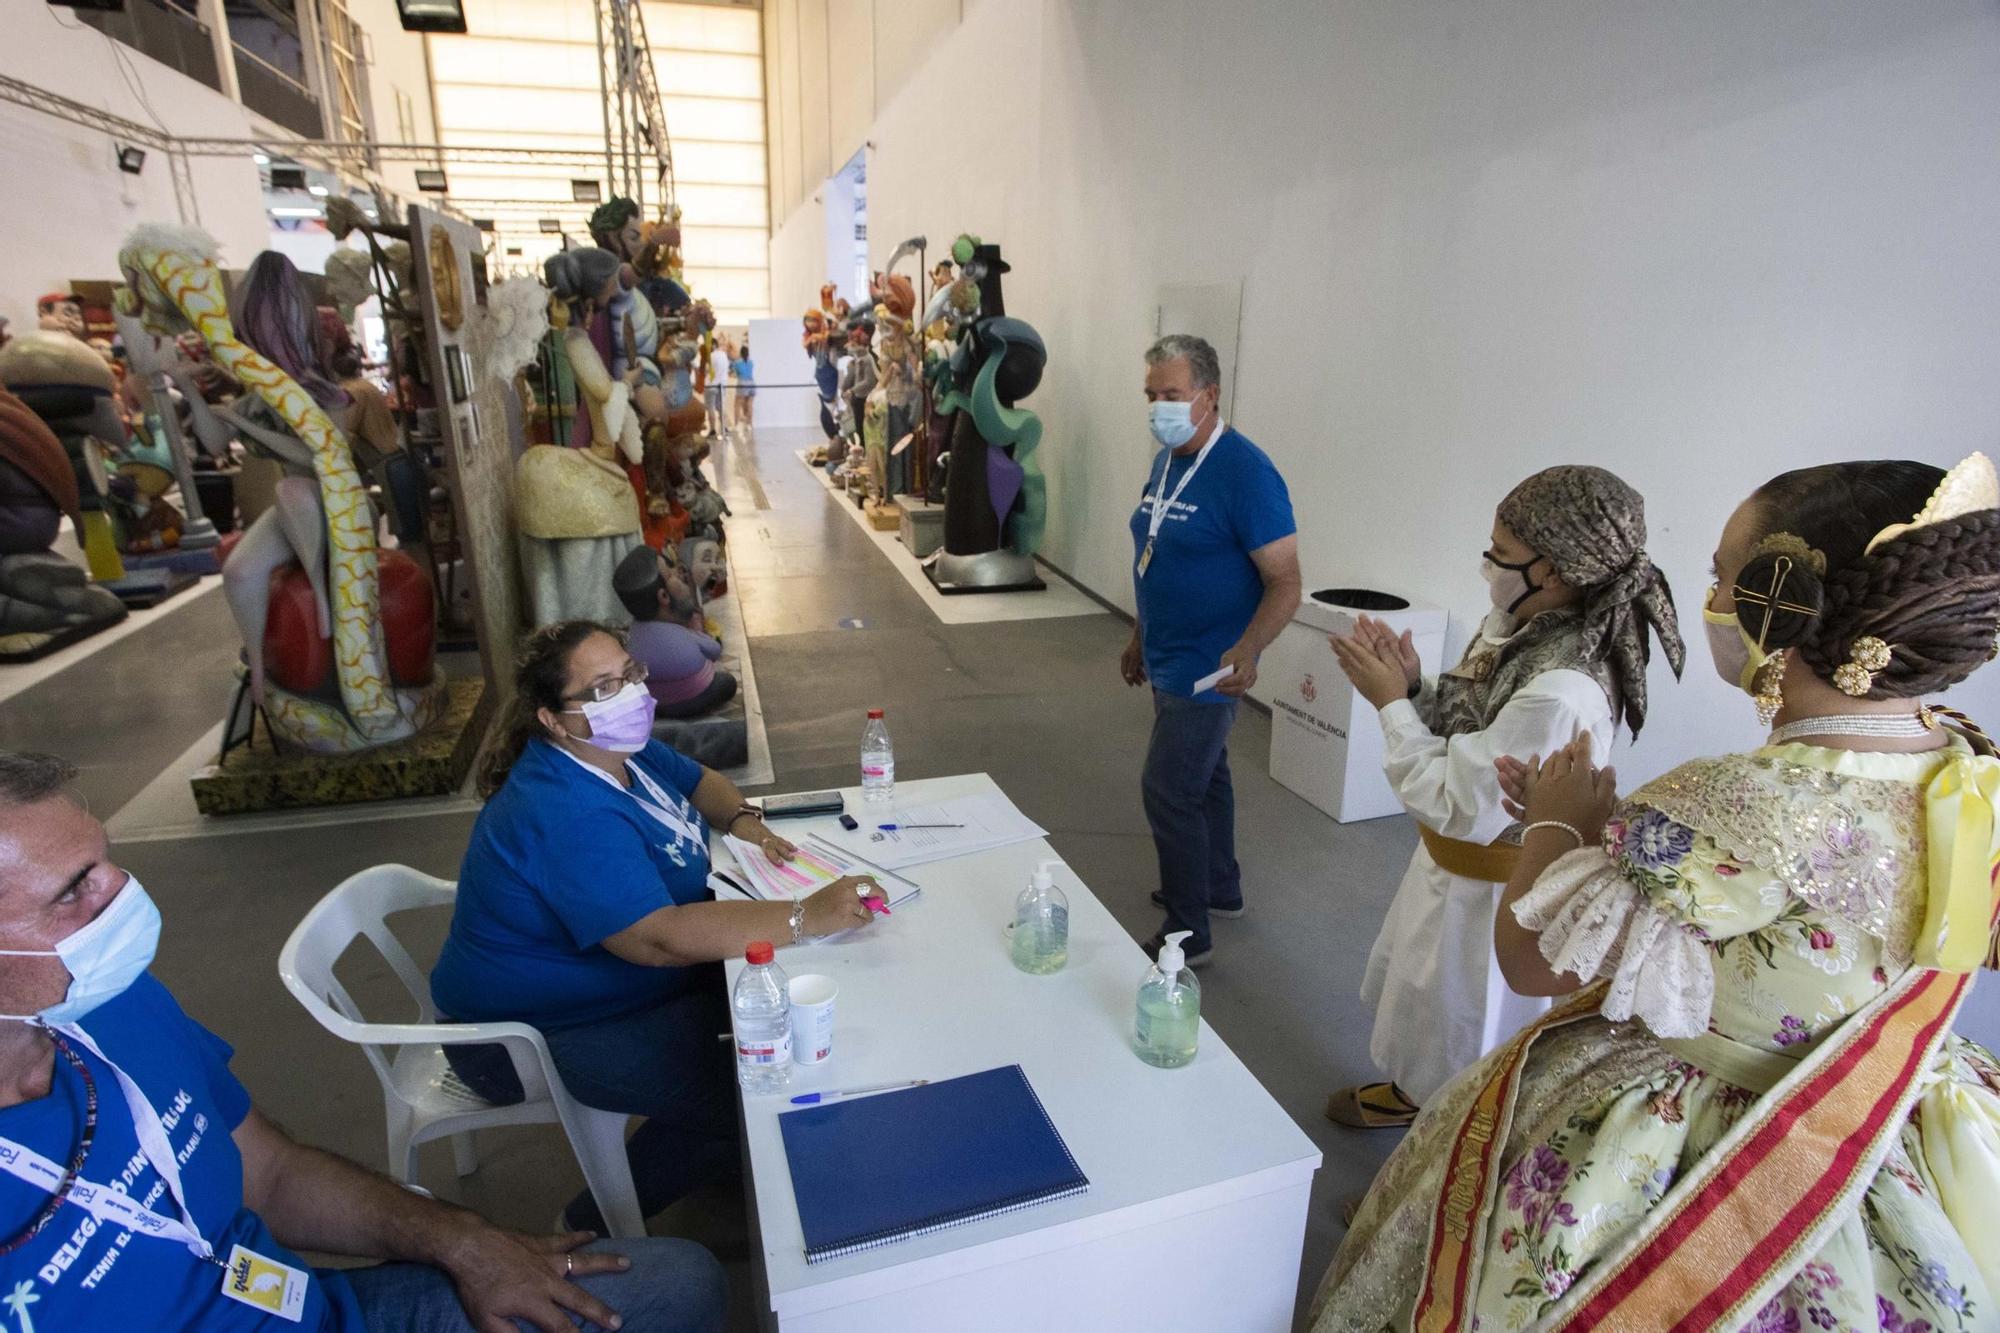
column 1192, row 809
column 673, row 1286
column 663, row 1063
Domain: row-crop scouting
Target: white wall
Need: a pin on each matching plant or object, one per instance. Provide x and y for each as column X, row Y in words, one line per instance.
column 398, row 66
column 67, row 206
column 1698, row 244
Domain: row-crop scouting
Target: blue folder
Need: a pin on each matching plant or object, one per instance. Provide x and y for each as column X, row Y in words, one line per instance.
column 871, row 1171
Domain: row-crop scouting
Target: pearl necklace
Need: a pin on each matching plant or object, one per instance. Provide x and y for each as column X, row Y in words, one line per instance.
column 1899, row 726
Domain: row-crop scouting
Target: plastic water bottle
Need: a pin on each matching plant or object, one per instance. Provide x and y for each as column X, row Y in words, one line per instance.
column 878, row 761
column 762, row 1011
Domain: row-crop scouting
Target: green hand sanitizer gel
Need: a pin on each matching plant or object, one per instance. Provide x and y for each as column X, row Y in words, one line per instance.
column 1169, row 1021
column 1041, row 923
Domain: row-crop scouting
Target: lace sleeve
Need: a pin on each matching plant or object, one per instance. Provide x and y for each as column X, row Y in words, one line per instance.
column 1644, row 910
column 1594, row 922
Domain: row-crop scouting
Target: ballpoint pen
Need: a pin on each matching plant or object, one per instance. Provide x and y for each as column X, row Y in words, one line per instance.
column 898, row 828
column 814, row 1098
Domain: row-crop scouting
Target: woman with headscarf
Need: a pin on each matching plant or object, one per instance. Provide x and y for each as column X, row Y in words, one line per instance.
column 1748, row 1110
column 1562, row 655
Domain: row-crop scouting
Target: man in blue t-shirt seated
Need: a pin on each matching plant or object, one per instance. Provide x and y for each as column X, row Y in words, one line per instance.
column 1215, row 572
column 141, row 1189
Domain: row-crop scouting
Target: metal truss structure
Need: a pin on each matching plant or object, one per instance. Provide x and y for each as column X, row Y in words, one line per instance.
column 359, row 155
column 638, row 156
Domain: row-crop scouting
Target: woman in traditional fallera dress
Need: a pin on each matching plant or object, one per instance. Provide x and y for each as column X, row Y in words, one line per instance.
column 1755, row 1114
column 1563, row 654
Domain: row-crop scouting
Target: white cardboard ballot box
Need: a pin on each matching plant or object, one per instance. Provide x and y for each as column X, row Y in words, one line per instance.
column 1326, row 743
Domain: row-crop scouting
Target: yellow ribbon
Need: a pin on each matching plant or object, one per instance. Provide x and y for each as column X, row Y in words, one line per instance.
column 1959, row 817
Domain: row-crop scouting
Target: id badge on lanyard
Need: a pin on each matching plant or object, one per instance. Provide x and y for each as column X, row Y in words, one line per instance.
column 248, row 1278
column 1163, row 503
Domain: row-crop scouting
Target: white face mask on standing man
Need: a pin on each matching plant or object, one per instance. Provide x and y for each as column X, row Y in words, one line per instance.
column 1174, row 424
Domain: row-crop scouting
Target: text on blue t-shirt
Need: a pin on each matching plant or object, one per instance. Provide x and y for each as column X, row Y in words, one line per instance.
column 1201, row 588
column 77, row 1273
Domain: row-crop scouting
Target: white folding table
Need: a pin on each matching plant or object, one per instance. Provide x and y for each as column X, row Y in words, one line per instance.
column 1198, row 1180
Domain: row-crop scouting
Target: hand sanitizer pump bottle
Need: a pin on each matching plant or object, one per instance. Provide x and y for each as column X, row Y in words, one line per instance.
column 1169, row 1021
column 1041, row 923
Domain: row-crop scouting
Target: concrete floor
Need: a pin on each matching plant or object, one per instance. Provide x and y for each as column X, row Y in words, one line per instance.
column 1038, row 704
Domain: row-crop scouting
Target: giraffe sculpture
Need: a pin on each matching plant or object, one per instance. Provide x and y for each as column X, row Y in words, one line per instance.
column 173, row 282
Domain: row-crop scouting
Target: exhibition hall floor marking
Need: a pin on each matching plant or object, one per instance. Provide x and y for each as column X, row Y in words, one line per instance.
column 24, row 675
column 1060, row 598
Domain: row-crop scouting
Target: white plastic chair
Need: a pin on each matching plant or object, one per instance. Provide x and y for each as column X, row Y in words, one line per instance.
column 422, row 1098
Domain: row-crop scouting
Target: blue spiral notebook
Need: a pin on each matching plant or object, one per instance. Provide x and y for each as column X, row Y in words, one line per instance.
column 875, row 1170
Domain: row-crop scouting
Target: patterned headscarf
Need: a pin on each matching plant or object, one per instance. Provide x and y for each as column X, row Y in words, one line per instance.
column 1592, row 527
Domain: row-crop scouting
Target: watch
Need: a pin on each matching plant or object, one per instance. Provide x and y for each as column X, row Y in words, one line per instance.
column 799, row 922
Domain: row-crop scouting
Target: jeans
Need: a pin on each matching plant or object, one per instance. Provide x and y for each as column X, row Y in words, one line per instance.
column 673, row 1286
column 1192, row 808
column 663, row 1063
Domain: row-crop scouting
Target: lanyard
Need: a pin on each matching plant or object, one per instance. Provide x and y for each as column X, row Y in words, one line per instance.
column 661, row 807
column 114, row 1206
column 666, row 809
column 1162, row 502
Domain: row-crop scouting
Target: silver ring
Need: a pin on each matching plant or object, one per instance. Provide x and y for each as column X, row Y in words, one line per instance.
column 569, row 1265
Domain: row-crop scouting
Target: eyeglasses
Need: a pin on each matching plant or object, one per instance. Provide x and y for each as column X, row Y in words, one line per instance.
column 604, row 691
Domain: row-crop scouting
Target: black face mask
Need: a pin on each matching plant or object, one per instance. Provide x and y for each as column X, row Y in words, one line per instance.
column 1496, row 573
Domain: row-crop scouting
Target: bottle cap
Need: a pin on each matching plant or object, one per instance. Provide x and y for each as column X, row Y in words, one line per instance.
column 1171, row 956
column 758, row 952
column 1045, row 875
column 874, row 714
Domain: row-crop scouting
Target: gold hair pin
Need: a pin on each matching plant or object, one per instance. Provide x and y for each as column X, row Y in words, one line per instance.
column 1856, row 676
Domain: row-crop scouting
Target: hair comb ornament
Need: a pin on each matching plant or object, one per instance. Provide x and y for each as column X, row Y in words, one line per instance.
column 1785, row 543
column 1966, row 489
column 1856, row 676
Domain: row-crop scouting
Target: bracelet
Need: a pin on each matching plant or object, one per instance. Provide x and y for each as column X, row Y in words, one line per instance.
column 1570, row 829
column 798, row 923
column 745, row 809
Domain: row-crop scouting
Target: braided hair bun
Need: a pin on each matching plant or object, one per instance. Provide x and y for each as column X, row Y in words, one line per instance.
column 1932, row 593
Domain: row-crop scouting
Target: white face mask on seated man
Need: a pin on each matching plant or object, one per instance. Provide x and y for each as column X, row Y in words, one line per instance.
column 104, row 956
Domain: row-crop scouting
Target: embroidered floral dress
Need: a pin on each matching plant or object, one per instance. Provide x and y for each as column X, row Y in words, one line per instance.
column 1764, row 897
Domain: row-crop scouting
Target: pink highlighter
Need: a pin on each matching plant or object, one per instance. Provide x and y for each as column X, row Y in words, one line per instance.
column 875, row 905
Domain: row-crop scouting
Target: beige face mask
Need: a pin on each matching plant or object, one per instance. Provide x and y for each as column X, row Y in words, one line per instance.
column 1737, row 656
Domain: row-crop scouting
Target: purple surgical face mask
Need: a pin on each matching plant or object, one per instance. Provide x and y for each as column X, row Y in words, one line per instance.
column 621, row 724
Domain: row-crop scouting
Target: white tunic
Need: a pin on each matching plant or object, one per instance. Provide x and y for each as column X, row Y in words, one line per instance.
column 1440, row 1001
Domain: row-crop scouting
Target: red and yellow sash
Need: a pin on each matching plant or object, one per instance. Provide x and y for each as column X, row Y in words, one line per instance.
column 1735, row 1227
column 1765, row 1198
column 1458, row 1227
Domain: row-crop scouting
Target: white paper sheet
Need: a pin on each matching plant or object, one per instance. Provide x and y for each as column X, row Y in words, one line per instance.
column 982, row 822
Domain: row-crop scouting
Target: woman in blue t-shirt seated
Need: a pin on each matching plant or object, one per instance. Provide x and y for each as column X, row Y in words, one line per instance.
column 584, row 910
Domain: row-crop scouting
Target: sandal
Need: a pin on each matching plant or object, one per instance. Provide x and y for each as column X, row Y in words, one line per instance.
column 1371, row 1106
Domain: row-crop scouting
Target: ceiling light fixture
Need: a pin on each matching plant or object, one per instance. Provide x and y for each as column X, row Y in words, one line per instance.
column 431, row 180
column 431, row 15
column 131, row 160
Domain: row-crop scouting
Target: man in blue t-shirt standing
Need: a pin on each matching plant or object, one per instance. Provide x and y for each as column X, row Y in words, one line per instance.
column 1216, row 573
column 141, row 1189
